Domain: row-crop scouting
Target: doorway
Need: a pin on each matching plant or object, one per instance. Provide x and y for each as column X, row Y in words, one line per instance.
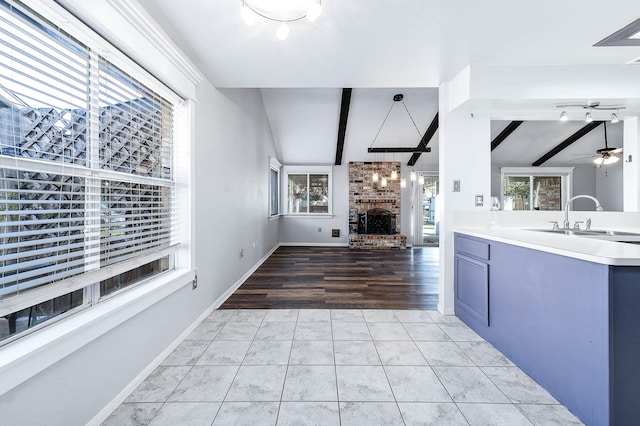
column 426, row 215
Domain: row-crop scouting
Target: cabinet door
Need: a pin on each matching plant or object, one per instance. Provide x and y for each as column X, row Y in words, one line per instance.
column 471, row 279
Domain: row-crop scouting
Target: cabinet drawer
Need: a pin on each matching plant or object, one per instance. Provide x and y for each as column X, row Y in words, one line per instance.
column 471, row 247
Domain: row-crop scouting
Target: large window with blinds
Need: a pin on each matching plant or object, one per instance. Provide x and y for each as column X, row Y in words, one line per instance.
column 86, row 174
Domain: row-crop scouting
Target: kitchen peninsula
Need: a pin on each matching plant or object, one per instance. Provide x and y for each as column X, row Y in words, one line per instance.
column 564, row 308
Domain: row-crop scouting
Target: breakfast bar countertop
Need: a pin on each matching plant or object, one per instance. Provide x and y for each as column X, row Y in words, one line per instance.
column 598, row 250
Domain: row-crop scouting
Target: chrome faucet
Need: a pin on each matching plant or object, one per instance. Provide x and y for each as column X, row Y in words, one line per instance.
column 565, row 223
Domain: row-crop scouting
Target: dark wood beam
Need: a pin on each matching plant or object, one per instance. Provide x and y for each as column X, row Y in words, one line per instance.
column 342, row 126
column 568, row 141
column 426, row 138
column 401, row 150
column 505, row 134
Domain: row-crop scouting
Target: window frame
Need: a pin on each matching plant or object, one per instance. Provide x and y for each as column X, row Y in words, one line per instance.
column 274, row 166
column 565, row 174
column 306, row 170
column 180, row 257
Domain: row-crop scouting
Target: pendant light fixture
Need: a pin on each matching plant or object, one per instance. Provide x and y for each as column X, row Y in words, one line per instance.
column 564, row 116
column 250, row 14
column 403, row 183
column 383, row 182
column 413, row 176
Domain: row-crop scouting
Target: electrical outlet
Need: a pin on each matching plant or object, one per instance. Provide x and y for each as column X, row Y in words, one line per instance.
column 479, row 200
column 194, row 283
column 241, row 253
column 319, row 229
column 456, row 186
column 335, row 233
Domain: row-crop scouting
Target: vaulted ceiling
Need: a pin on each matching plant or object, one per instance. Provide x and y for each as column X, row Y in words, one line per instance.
column 381, row 47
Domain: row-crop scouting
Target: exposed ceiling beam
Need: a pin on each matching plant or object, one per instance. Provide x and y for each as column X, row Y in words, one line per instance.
column 342, row 126
column 426, row 138
column 505, row 134
column 401, row 150
column 568, row 141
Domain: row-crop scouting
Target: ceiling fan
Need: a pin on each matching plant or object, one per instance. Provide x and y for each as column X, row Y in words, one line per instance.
column 606, row 155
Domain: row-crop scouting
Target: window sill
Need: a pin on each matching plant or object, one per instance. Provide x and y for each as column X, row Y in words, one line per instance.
column 28, row 356
column 275, row 217
column 309, row 215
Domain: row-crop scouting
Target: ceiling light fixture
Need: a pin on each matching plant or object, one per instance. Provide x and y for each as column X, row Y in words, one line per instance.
column 251, row 12
column 403, row 183
column 614, row 117
column 588, row 118
column 606, row 159
column 590, row 107
column 413, row 176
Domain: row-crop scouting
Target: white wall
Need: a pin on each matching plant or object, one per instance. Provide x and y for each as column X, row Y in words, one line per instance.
column 608, row 189
column 465, row 155
column 232, row 186
column 233, row 145
column 304, row 230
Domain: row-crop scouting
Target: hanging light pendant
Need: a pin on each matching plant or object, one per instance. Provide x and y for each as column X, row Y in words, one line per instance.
column 403, row 183
column 374, row 177
column 564, row 116
column 421, row 180
column 394, row 175
column 413, row 176
column 383, row 182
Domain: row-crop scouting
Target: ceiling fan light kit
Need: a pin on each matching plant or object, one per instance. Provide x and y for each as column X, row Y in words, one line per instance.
column 251, row 12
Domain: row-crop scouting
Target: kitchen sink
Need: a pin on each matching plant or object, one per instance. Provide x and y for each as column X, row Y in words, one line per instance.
column 604, row 234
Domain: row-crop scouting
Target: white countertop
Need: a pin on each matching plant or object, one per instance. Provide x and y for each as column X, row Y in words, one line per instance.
column 585, row 248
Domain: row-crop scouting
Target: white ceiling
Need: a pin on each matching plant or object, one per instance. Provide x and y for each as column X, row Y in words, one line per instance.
column 399, row 43
column 383, row 47
column 532, row 139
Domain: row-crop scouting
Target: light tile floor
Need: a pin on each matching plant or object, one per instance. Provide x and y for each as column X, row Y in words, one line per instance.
column 337, row 367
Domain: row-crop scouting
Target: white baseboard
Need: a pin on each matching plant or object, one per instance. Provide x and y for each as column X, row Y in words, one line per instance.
column 106, row 411
column 220, row 300
column 133, row 384
column 314, row 244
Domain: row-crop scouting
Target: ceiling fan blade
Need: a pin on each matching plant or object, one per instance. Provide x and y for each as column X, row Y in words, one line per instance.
column 617, row 151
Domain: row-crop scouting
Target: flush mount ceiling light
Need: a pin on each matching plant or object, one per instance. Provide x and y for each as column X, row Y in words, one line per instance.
column 590, row 107
column 253, row 9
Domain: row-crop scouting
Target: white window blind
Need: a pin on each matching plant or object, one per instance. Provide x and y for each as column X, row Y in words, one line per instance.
column 86, row 165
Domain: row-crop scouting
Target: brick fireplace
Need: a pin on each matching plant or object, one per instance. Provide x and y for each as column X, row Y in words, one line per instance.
column 374, row 211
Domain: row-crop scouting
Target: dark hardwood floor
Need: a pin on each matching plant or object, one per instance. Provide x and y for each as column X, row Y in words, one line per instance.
column 340, row 278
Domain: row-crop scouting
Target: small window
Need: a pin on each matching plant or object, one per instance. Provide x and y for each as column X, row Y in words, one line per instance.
column 308, row 190
column 541, row 188
column 274, row 182
column 274, row 187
